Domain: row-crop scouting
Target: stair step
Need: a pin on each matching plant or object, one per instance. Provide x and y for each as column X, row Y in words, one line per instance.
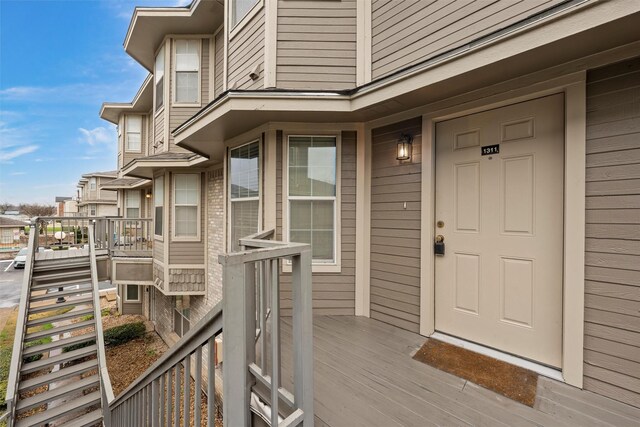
column 58, row 317
column 53, row 413
column 59, row 330
column 90, row 419
column 57, row 294
column 61, row 284
column 27, row 368
column 57, row 393
column 70, row 371
column 44, row 348
column 76, row 263
column 49, row 277
column 55, row 306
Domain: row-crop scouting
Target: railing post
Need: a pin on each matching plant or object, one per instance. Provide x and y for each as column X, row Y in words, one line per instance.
column 301, row 291
column 239, row 332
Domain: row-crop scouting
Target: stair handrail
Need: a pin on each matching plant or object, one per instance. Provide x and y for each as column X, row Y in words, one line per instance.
column 105, row 381
column 21, row 323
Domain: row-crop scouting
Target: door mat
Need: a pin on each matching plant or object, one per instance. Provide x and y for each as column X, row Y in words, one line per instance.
column 511, row 381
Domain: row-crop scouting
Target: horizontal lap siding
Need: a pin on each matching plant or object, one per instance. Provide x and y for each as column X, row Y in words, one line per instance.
column 612, row 286
column 316, row 44
column 333, row 293
column 246, row 51
column 395, row 231
column 219, row 63
column 406, row 32
column 158, row 124
column 178, row 115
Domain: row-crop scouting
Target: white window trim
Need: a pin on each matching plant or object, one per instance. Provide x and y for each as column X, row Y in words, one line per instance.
column 126, row 133
column 126, row 294
column 198, row 236
column 174, row 86
column 158, row 111
column 246, row 199
column 316, row 267
column 126, row 202
column 164, row 204
column 242, row 22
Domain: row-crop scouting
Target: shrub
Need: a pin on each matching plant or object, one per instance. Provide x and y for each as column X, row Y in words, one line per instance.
column 124, row 333
column 37, row 356
column 87, row 317
column 78, row 346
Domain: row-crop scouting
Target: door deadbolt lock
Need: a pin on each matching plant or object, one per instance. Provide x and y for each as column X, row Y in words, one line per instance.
column 438, row 246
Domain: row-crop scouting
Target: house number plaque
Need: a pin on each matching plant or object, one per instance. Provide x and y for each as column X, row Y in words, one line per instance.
column 490, row 149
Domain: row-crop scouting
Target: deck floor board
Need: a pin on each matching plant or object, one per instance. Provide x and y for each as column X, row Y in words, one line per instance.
column 365, row 376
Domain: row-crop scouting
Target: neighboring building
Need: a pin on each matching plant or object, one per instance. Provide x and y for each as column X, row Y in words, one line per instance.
column 71, row 207
column 60, row 205
column 10, row 232
column 506, row 133
column 94, row 201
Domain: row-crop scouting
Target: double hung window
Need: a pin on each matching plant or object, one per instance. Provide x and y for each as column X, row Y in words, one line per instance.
column 311, row 195
column 187, row 71
column 239, row 9
column 158, row 204
column 158, row 76
column 132, row 203
column 133, row 133
column 244, row 171
column 186, row 202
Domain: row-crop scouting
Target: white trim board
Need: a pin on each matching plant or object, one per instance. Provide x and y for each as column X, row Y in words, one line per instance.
column 505, row 357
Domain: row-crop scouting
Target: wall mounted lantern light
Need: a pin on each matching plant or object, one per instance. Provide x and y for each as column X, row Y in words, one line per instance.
column 148, row 195
column 404, row 147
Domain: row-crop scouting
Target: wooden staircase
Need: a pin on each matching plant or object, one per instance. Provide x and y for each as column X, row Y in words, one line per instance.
column 59, row 372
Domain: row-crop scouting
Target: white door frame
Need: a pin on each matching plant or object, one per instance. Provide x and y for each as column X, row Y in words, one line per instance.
column 574, row 89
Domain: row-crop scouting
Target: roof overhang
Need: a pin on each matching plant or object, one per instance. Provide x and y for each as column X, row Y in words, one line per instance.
column 125, row 183
column 86, row 176
column 145, row 167
column 549, row 43
column 150, row 25
column 141, row 103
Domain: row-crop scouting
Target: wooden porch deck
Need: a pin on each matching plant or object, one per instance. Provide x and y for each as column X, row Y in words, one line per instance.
column 365, row 376
column 67, row 254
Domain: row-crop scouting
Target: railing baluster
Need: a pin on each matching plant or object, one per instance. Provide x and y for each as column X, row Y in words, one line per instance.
column 176, row 403
column 211, row 382
column 169, row 396
column 275, row 348
column 162, row 399
column 265, row 269
column 197, row 412
column 154, row 404
column 186, row 389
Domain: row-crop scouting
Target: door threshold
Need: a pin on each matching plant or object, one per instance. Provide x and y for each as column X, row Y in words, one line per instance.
column 538, row 368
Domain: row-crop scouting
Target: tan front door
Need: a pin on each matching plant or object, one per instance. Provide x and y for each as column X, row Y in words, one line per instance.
column 499, row 208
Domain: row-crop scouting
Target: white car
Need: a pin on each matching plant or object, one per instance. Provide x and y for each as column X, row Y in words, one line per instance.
column 20, row 259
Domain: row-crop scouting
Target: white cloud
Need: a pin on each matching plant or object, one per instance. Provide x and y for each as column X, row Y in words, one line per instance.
column 12, row 152
column 17, row 173
column 97, row 136
column 182, row 3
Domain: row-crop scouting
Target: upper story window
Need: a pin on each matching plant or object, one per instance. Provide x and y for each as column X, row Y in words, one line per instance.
column 244, row 173
column 132, row 203
column 186, row 196
column 158, row 204
column 92, row 183
column 133, row 138
column 239, row 8
column 158, row 75
column 187, row 71
column 312, row 194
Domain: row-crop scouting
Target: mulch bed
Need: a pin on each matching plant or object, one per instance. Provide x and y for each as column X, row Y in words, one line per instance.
column 511, row 381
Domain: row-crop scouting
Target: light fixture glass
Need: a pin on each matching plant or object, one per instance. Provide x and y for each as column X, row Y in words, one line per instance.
column 148, row 195
column 404, row 147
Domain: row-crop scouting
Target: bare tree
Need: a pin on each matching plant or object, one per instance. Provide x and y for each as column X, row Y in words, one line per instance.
column 36, row 209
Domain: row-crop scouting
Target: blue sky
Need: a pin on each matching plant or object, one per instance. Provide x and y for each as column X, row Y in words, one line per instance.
column 59, row 60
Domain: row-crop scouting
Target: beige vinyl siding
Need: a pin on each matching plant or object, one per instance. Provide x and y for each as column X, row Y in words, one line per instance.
column 105, row 194
column 158, row 250
column 131, row 307
column 187, row 252
column 395, row 231
column 179, row 114
column 218, row 64
column 405, row 32
column 246, row 51
column 612, row 271
column 316, row 46
column 158, row 123
column 333, row 293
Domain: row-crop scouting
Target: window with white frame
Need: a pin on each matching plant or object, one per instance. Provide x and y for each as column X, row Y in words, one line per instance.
column 132, row 204
column 186, row 198
column 133, row 135
column 158, row 204
column 158, row 76
column 244, row 182
column 181, row 314
column 132, row 293
column 312, row 194
column 187, row 71
column 92, row 210
column 239, row 9
column 92, row 183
